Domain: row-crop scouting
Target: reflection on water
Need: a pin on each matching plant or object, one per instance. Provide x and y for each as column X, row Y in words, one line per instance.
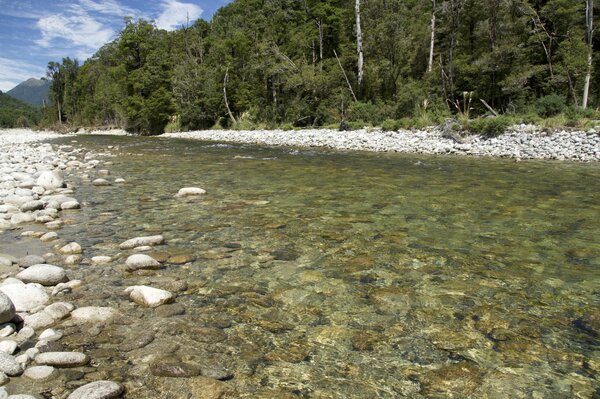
column 333, row 275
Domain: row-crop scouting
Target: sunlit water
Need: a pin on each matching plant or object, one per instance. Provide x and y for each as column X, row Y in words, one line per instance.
column 321, row 274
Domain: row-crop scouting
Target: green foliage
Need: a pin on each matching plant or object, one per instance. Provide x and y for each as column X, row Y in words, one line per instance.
column 391, row 125
column 15, row 113
column 490, row 127
column 279, row 57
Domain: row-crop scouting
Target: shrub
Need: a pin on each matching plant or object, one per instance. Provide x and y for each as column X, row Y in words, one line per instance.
column 287, row 127
column 490, row 127
column 551, row 105
column 390, row 125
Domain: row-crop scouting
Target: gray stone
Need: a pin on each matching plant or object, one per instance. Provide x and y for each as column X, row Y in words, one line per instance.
column 44, row 274
column 40, row 372
column 72, row 248
column 9, row 366
column 7, row 308
column 51, row 180
column 9, row 346
column 31, row 206
column 70, row 205
column 30, row 260
column 142, row 241
column 62, row 359
column 190, row 191
column 25, row 297
column 93, row 314
column 149, row 296
column 141, row 261
column 97, row 390
column 101, row 183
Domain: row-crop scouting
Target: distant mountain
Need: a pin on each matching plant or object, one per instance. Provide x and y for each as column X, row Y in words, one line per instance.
column 32, row 91
column 16, row 113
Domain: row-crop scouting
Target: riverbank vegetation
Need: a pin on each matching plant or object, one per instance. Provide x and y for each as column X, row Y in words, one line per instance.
column 295, row 64
column 15, row 113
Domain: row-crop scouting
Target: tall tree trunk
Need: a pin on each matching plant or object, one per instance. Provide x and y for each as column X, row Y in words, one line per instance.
column 432, row 43
column 59, row 111
column 225, row 80
column 359, row 49
column 320, row 26
column 589, row 22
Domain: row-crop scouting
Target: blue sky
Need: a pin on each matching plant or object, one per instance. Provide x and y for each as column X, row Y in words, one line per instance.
column 33, row 32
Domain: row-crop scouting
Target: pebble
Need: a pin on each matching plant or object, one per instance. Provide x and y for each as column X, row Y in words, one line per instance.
column 50, row 236
column 30, row 260
column 25, row 297
column 7, row 308
column 190, row 191
column 39, row 372
column 72, row 248
column 149, row 296
column 141, row 261
column 97, row 390
column 142, row 241
column 50, row 180
column 9, row 346
column 101, row 260
column 44, row 274
column 62, row 359
column 70, row 205
column 9, row 366
column 93, row 314
column 101, row 183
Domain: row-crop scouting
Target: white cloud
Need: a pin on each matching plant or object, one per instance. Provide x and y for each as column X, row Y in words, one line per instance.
column 175, row 14
column 79, row 29
column 109, row 7
column 13, row 72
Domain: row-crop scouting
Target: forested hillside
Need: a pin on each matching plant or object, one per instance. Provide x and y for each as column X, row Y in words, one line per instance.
column 317, row 62
column 15, row 113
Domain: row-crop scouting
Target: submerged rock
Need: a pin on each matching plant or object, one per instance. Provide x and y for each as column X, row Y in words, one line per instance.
column 142, row 241
column 62, row 359
column 190, row 191
column 93, row 314
column 40, row 372
column 172, row 369
column 72, row 248
column 97, row 390
column 30, row 260
column 141, row 261
column 149, row 296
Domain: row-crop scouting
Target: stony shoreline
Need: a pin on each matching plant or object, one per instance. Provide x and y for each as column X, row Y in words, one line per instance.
column 522, row 142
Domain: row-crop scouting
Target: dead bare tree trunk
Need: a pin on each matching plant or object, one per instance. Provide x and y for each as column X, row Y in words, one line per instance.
column 589, row 22
column 359, row 48
column 320, row 27
column 432, row 43
column 345, row 76
column 225, row 80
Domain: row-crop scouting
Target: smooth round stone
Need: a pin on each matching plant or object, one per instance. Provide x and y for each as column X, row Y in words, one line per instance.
column 51, row 335
column 142, row 241
column 50, row 236
column 34, row 234
column 101, row 260
column 97, row 390
column 179, row 370
column 9, row 346
column 54, row 225
column 7, row 308
column 7, row 329
column 72, row 248
column 93, row 314
column 3, row 381
column 50, row 180
column 44, row 274
column 39, row 372
column 19, row 218
column 190, row 191
column 103, row 172
column 25, row 297
column 5, row 224
column 149, row 296
column 119, row 181
column 73, row 260
column 181, row 259
column 67, row 287
column 31, row 206
column 9, row 366
column 101, row 183
column 5, row 262
column 30, row 260
column 141, row 261
column 70, row 205
column 62, row 359
column 9, row 257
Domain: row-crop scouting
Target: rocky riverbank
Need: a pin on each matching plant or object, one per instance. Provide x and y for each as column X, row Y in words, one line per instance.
column 521, row 142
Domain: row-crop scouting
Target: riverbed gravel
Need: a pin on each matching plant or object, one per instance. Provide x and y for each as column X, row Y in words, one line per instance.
column 520, row 142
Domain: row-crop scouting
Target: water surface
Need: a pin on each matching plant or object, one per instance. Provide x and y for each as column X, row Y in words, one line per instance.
column 323, row 274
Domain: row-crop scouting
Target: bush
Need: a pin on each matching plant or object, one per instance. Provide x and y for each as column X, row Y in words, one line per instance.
column 551, row 105
column 390, row 125
column 287, row 127
column 369, row 113
column 490, row 127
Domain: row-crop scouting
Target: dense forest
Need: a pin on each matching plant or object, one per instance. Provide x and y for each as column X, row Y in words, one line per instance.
column 15, row 113
column 300, row 63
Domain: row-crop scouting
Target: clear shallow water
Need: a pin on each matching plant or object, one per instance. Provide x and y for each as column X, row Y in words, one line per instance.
column 333, row 275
